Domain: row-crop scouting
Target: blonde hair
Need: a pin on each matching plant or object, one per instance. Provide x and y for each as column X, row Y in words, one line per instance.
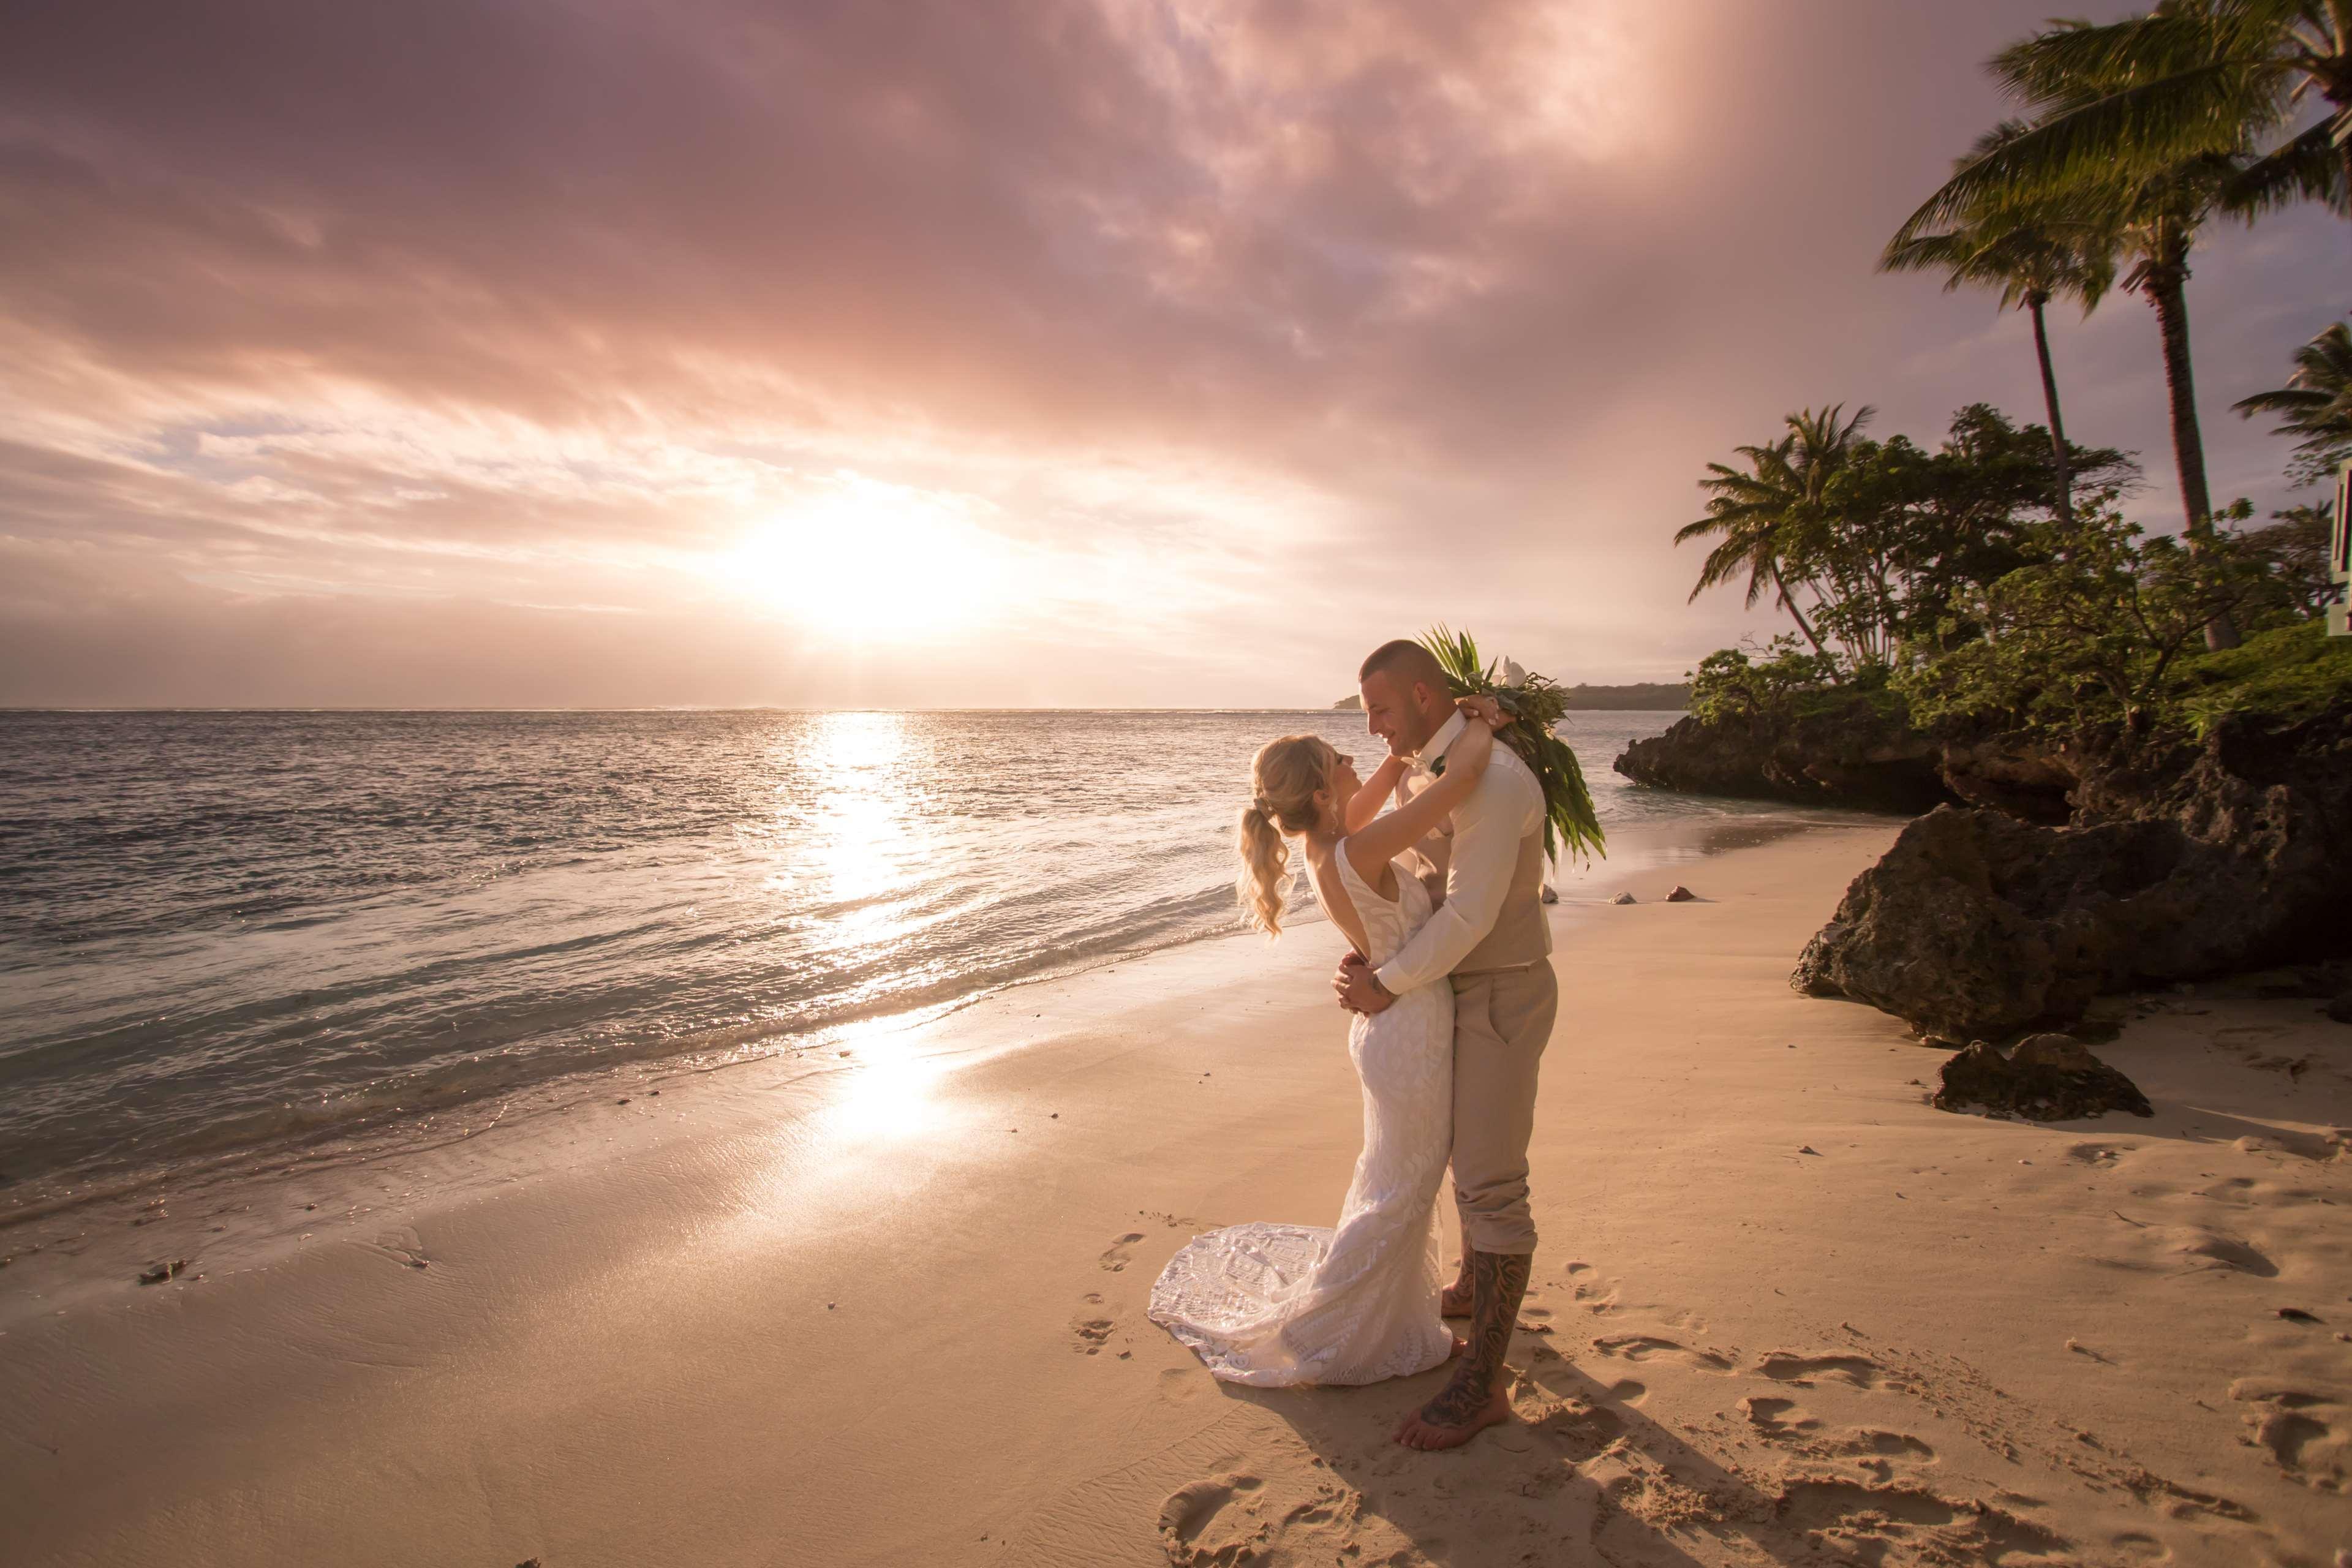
column 1283, row 779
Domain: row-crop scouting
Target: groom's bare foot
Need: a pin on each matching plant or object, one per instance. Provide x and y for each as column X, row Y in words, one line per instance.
column 1460, row 1344
column 1455, row 1300
column 1440, row 1425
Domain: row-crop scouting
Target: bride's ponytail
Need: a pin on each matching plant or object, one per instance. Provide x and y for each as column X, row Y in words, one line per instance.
column 1266, row 857
column 1286, row 775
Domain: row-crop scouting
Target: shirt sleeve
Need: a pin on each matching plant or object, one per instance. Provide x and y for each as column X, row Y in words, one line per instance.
column 1488, row 829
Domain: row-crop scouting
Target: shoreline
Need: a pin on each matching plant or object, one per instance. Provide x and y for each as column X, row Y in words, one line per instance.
column 890, row 1310
column 387, row 1130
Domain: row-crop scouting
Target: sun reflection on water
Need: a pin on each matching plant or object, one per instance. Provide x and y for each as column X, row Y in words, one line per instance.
column 859, row 819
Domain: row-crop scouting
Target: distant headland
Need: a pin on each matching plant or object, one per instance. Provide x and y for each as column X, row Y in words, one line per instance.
column 1645, row 695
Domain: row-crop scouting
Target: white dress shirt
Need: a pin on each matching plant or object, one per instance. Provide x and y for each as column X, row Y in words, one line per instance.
column 1503, row 807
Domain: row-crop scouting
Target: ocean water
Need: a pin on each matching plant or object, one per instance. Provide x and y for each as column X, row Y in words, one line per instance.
column 220, row 931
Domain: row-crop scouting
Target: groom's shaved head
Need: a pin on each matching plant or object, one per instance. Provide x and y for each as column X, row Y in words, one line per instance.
column 1406, row 695
column 1408, row 663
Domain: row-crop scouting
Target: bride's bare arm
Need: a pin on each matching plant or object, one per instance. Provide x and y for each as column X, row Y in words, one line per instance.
column 1373, row 846
column 1366, row 803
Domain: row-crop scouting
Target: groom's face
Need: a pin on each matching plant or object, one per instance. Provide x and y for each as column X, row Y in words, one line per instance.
column 1392, row 711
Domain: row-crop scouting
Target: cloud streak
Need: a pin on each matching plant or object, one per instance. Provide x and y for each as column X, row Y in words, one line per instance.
column 460, row 352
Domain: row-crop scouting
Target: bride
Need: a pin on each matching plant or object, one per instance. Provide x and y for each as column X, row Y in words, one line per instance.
column 1276, row 1304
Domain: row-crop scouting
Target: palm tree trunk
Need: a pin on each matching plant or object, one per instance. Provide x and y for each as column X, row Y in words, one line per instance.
column 1789, row 603
column 2060, row 467
column 2165, row 291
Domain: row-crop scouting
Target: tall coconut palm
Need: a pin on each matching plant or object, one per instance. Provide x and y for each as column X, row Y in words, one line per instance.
column 2315, row 402
column 2160, row 214
column 2032, row 252
column 2189, row 77
column 1765, row 514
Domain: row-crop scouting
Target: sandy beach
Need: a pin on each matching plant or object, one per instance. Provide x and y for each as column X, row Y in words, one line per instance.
column 891, row 1311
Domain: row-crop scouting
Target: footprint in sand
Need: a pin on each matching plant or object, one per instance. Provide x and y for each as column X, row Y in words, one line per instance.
column 2201, row 1248
column 1092, row 1333
column 1803, row 1370
column 2309, row 1433
column 402, row 1246
column 1193, row 1512
column 2100, row 1155
column 1867, row 1524
column 1117, row 1258
column 1575, row 1428
column 1879, row 1454
column 1180, row 1383
column 1650, row 1347
column 1886, row 1445
column 1777, row 1417
column 1587, row 1291
column 2178, row 1502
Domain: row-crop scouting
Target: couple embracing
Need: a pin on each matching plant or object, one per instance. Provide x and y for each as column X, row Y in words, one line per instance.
column 1450, row 985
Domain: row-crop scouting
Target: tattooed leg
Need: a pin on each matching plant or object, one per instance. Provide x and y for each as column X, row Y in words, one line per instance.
column 1474, row 1398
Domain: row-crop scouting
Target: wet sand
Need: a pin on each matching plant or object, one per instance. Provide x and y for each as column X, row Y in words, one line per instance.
column 890, row 1310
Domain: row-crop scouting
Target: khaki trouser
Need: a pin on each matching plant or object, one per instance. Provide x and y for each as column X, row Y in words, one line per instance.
column 1502, row 1020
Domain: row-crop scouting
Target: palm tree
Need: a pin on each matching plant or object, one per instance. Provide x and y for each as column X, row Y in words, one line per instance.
column 1765, row 514
column 2191, row 76
column 2315, row 402
column 2158, row 185
column 2031, row 253
column 2161, row 213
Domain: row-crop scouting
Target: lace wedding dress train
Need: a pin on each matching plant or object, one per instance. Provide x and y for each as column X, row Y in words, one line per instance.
column 1275, row 1304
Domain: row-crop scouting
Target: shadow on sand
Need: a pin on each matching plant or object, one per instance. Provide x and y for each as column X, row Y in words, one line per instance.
column 1580, row 1475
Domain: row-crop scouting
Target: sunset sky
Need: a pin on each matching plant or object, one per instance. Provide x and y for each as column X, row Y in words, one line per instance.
column 564, row 353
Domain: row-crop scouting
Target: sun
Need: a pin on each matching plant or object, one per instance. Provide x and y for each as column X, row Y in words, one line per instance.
column 867, row 556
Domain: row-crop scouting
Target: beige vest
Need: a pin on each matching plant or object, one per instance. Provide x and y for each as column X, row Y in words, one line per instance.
column 1521, row 933
column 1521, row 936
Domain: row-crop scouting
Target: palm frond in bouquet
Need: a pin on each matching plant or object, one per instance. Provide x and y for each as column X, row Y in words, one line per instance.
column 1536, row 703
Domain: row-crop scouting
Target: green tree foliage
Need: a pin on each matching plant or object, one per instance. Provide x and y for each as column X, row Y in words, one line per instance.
column 2150, row 126
column 2293, row 547
column 1763, row 514
column 2105, row 624
column 2187, row 79
column 1732, row 685
column 1863, row 541
column 1947, row 584
column 2316, row 404
column 2098, row 626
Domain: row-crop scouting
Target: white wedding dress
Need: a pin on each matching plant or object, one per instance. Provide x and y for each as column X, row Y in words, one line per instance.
column 1275, row 1304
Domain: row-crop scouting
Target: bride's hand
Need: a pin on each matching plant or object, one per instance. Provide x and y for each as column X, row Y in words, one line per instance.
column 1483, row 708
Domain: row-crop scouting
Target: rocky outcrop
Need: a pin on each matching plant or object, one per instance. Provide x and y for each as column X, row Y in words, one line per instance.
column 2047, row 1078
column 1852, row 753
column 2190, row 861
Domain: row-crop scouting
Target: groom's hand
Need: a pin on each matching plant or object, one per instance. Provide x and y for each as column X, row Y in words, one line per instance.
column 1359, row 989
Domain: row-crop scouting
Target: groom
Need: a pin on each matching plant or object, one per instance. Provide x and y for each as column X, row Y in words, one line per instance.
column 1492, row 942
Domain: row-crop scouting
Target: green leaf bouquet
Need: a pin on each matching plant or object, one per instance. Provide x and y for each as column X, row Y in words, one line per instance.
column 1537, row 704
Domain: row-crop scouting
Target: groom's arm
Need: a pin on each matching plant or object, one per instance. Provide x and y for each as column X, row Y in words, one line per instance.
column 1488, row 829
